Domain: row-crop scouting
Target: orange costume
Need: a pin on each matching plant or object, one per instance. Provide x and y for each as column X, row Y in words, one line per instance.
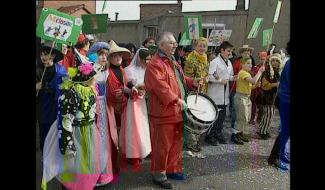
column 164, row 80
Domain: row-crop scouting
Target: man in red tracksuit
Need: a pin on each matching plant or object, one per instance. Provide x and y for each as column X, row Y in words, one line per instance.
column 166, row 84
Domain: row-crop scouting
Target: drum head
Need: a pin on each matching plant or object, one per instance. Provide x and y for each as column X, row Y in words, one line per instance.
column 204, row 110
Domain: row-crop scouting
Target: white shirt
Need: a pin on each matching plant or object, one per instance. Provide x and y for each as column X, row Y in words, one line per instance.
column 216, row 89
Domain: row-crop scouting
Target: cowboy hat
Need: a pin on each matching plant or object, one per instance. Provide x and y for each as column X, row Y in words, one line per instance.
column 245, row 47
column 117, row 49
column 58, row 55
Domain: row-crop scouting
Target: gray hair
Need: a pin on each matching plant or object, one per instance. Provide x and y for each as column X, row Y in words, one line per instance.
column 163, row 37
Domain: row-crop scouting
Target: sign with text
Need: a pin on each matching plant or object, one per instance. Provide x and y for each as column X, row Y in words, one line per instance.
column 218, row 36
column 55, row 25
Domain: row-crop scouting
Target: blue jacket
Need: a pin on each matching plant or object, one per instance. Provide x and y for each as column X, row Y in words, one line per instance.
column 285, row 83
column 48, row 98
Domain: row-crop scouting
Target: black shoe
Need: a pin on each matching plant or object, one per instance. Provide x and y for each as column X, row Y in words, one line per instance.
column 262, row 136
column 242, row 137
column 211, row 140
column 236, row 140
column 164, row 184
column 177, row 176
column 277, row 163
column 221, row 139
column 193, row 148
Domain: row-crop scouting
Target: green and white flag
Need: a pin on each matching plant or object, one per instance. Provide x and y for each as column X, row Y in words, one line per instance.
column 277, row 12
column 267, row 37
column 94, row 23
column 104, row 6
column 184, row 41
column 255, row 28
column 193, row 27
column 55, row 25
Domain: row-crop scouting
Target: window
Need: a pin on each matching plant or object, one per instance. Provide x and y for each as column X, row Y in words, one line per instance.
column 152, row 31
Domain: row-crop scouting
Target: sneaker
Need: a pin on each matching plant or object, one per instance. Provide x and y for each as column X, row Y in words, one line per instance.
column 176, row 176
column 164, row 184
column 221, row 139
column 211, row 140
column 235, row 139
column 242, row 137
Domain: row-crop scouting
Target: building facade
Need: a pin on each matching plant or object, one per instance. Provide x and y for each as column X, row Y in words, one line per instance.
column 170, row 18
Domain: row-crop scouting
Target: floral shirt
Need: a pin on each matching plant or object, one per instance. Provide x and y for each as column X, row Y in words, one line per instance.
column 197, row 66
column 76, row 109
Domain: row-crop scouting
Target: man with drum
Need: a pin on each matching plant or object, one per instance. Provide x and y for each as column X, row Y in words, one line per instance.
column 220, row 73
column 166, row 86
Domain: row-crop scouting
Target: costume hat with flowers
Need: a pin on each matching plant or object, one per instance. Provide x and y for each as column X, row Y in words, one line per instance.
column 117, row 49
column 244, row 48
column 85, row 72
column 277, row 57
column 58, row 56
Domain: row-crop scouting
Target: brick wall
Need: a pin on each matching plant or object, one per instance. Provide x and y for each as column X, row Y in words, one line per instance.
column 149, row 11
column 89, row 5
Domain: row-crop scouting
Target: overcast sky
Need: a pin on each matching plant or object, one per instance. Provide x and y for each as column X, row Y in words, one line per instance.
column 130, row 10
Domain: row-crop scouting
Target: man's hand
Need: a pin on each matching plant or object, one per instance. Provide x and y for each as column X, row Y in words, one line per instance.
column 182, row 104
column 224, row 81
column 235, row 77
column 198, row 81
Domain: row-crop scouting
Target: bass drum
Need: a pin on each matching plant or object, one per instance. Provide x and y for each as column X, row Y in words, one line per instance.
column 200, row 114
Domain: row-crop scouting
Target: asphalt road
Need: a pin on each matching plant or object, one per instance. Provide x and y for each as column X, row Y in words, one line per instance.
column 227, row 167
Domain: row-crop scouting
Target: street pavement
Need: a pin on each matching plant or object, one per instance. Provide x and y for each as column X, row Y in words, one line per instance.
column 226, row 167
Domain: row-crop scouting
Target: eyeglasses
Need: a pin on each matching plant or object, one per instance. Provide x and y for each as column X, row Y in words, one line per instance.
column 173, row 43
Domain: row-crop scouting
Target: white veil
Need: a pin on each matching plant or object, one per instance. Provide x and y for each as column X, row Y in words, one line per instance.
column 135, row 72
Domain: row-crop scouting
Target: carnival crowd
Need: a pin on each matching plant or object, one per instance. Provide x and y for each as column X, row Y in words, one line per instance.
column 104, row 106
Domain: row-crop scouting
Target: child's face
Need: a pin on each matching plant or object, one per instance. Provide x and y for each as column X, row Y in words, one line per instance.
column 275, row 63
column 247, row 65
column 45, row 58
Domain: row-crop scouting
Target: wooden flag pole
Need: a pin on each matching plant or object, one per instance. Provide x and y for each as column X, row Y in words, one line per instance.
column 53, row 44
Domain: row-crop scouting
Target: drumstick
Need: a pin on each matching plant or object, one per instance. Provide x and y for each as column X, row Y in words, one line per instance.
column 197, row 93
